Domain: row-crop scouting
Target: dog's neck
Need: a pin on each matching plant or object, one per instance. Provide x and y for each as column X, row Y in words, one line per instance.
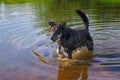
column 66, row 35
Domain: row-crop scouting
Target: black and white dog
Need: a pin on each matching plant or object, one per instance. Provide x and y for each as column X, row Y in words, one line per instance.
column 70, row 39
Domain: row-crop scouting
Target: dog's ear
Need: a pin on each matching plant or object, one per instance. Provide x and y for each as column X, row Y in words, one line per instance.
column 63, row 24
column 51, row 23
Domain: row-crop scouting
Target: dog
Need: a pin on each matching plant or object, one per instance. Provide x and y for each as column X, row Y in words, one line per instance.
column 70, row 39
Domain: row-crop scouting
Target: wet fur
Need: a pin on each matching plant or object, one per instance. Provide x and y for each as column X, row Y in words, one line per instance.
column 69, row 39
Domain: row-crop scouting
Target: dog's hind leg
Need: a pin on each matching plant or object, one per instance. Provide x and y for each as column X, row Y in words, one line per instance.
column 90, row 43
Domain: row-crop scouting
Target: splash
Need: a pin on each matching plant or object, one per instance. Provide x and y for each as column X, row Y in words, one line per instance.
column 79, row 58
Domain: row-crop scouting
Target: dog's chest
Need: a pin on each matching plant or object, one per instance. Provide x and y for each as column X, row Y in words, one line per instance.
column 64, row 45
column 69, row 45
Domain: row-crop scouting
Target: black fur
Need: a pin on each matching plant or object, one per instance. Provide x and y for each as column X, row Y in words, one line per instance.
column 70, row 39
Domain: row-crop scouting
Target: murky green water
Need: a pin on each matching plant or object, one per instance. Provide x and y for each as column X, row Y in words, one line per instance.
column 24, row 27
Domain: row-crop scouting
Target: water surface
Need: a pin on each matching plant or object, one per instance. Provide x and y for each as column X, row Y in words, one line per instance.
column 24, row 27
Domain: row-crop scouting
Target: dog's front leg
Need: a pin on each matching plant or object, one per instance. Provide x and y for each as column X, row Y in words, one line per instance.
column 69, row 54
column 60, row 51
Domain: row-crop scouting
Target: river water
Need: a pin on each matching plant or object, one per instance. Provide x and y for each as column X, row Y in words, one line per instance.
column 24, row 27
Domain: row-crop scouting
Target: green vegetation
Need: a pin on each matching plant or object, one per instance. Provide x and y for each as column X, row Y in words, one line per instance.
column 24, row 1
column 109, row 1
column 16, row 1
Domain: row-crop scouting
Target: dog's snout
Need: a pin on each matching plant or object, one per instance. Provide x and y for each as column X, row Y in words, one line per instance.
column 53, row 39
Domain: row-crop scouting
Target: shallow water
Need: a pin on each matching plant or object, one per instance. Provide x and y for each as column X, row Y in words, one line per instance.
column 24, row 27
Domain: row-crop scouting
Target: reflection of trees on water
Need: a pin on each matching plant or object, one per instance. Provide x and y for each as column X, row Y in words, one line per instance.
column 64, row 10
column 16, row 1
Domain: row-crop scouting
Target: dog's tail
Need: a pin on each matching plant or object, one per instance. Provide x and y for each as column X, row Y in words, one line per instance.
column 84, row 18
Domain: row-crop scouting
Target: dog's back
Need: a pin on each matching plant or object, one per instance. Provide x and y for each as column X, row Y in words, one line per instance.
column 78, row 38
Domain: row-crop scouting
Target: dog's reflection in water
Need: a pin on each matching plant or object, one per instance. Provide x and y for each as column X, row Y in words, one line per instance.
column 73, row 72
column 77, row 68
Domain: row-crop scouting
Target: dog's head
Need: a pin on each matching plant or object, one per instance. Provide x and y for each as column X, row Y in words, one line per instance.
column 56, row 30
